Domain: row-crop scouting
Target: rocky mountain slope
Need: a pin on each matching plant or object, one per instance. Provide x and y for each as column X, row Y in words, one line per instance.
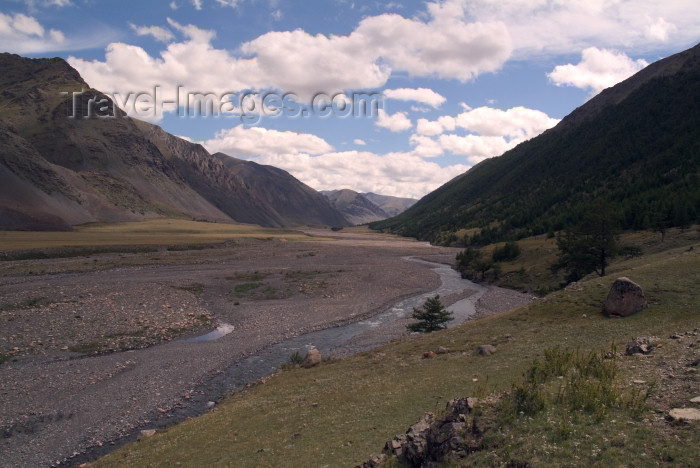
column 634, row 147
column 356, row 208
column 57, row 171
column 390, row 205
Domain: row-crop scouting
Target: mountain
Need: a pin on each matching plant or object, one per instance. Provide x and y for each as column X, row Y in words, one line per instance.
column 634, row 147
column 356, row 208
column 392, row 206
column 295, row 202
column 56, row 171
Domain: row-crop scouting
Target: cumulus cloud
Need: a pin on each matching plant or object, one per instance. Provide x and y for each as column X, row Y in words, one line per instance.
column 541, row 27
column 395, row 174
column 422, row 95
column 445, row 45
column 359, row 141
column 397, row 122
column 597, row 70
column 242, row 141
column 158, row 33
column 313, row 161
column 491, row 132
column 516, row 124
column 435, row 127
column 659, row 29
column 23, row 34
column 425, row 147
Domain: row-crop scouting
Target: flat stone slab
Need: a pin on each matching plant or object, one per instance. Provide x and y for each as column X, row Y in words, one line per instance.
column 685, row 414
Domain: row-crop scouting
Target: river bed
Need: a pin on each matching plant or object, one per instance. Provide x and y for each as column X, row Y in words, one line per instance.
column 342, row 340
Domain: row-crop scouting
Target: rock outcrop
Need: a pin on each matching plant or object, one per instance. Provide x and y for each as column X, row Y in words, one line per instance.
column 625, row 298
column 433, row 441
column 643, row 345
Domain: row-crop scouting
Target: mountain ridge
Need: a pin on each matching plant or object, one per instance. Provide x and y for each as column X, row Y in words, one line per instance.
column 639, row 155
column 58, row 171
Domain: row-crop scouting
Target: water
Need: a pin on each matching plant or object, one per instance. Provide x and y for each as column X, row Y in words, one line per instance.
column 269, row 359
column 222, row 329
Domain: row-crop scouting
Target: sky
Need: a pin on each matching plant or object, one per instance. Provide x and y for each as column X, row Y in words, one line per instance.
column 395, row 98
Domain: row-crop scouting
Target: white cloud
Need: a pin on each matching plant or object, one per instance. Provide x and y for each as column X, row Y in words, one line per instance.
column 23, row 34
column 597, row 70
column 659, row 29
column 491, row 132
column 516, row 124
column 396, row 174
column 428, row 127
column 313, row 161
column 242, row 141
column 426, row 147
column 197, row 4
column 422, row 95
column 33, row 5
column 397, row 122
column 475, row 147
column 158, row 33
column 445, row 45
column 359, row 141
column 543, row 27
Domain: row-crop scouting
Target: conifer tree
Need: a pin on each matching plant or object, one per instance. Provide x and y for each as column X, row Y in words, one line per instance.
column 433, row 316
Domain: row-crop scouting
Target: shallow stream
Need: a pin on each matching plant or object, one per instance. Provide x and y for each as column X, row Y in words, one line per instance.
column 268, row 360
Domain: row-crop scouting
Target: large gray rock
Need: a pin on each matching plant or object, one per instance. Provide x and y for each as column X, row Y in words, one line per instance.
column 625, row 298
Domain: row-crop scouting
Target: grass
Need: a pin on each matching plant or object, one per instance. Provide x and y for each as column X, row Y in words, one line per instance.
column 161, row 231
column 530, row 272
column 245, row 288
column 342, row 412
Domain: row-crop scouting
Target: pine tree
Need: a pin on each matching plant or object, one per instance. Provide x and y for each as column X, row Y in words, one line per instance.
column 433, row 316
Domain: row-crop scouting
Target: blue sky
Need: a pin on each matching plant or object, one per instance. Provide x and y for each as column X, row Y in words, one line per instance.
column 460, row 81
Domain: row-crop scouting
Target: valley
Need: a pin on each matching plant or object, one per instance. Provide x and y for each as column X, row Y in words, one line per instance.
column 91, row 341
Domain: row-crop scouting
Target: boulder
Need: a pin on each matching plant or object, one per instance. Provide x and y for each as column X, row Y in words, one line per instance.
column 625, row 298
column 685, row 414
column 145, row 434
column 428, row 355
column 313, row 358
column 485, row 350
column 442, row 350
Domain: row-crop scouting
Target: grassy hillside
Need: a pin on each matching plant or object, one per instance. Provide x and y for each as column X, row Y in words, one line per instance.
column 639, row 154
column 341, row 413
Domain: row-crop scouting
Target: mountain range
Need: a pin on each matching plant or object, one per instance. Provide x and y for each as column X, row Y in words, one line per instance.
column 362, row 208
column 635, row 148
column 56, row 172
